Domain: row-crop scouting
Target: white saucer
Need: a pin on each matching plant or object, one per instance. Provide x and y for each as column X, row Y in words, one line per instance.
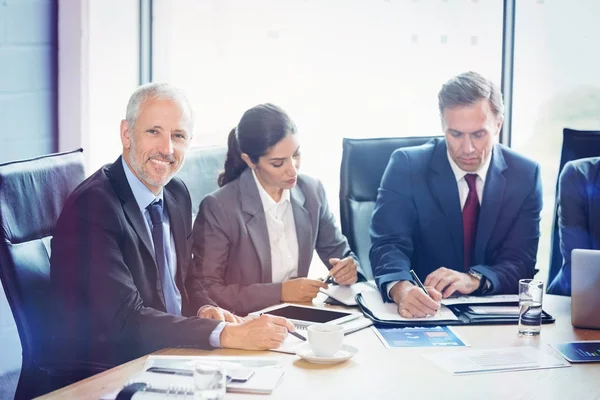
column 343, row 354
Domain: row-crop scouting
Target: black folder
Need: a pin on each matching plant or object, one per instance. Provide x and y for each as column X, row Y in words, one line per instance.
column 462, row 312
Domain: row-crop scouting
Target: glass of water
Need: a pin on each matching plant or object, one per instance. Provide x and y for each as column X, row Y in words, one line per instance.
column 531, row 292
column 209, row 381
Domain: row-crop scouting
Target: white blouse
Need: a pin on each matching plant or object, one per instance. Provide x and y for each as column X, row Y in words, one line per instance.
column 282, row 234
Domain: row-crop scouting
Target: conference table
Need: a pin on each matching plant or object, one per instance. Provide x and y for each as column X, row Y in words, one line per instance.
column 402, row 373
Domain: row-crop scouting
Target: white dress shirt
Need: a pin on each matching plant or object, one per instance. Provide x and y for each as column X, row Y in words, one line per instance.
column 463, row 191
column 463, row 187
column 283, row 239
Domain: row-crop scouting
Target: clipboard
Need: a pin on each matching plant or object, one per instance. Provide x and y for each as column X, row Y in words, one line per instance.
column 463, row 313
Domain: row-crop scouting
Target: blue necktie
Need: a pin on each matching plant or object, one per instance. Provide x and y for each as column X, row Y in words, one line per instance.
column 161, row 254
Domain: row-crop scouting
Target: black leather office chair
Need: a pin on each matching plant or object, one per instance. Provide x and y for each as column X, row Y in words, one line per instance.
column 363, row 164
column 201, row 171
column 576, row 145
column 32, row 193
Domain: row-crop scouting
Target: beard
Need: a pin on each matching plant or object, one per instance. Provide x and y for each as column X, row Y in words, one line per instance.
column 142, row 171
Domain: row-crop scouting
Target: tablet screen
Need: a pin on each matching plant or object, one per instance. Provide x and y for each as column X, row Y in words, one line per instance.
column 308, row 314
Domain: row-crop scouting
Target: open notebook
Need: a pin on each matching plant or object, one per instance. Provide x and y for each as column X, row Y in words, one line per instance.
column 268, row 372
column 389, row 311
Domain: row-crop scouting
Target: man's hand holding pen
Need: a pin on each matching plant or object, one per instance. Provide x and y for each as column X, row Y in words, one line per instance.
column 415, row 301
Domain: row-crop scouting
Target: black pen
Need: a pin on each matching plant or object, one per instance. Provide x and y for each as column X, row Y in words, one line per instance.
column 419, row 283
column 299, row 336
column 170, row 371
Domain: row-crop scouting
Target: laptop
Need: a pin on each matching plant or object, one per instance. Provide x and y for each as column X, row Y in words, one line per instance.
column 585, row 288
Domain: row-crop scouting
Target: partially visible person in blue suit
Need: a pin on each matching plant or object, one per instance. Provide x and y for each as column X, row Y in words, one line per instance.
column 578, row 208
column 463, row 212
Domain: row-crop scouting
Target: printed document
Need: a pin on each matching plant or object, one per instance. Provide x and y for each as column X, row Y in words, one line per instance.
column 495, row 360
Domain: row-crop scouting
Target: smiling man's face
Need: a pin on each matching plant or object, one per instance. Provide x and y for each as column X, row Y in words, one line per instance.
column 155, row 148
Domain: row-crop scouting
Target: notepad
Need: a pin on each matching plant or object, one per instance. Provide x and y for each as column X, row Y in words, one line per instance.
column 347, row 294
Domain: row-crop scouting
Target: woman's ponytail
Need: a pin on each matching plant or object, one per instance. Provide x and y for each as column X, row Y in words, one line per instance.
column 234, row 165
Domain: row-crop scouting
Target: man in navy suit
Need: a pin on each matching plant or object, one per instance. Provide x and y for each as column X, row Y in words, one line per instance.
column 122, row 247
column 578, row 208
column 463, row 212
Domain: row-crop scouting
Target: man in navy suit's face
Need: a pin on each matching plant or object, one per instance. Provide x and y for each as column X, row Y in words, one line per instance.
column 471, row 132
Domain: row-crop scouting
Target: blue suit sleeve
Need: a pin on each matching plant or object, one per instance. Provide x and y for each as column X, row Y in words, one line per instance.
column 516, row 258
column 392, row 225
column 572, row 221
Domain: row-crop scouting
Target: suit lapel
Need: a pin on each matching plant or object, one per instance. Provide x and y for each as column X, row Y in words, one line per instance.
column 257, row 224
column 304, row 231
column 444, row 188
column 493, row 194
column 135, row 217
column 130, row 206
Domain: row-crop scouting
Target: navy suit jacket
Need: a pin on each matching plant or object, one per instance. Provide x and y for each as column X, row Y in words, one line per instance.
column 110, row 306
column 578, row 209
column 417, row 221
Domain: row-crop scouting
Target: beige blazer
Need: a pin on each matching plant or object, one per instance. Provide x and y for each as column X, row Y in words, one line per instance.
column 231, row 250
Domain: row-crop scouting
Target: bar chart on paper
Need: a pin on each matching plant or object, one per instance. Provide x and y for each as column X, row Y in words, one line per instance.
column 585, row 351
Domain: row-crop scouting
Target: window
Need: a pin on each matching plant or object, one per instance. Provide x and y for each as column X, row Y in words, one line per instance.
column 556, row 85
column 340, row 68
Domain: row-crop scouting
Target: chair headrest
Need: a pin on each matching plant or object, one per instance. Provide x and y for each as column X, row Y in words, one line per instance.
column 32, row 193
column 365, row 160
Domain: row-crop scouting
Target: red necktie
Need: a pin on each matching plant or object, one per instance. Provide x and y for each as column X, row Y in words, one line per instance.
column 470, row 214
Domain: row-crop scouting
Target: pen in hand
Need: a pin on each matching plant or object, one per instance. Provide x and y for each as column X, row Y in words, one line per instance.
column 328, row 280
column 419, row 283
column 296, row 334
column 299, row 336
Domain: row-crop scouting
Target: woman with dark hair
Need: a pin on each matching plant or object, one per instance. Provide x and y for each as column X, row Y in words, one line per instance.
column 254, row 237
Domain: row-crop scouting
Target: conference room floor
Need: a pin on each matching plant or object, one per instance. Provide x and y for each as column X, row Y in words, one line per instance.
column 380, row 373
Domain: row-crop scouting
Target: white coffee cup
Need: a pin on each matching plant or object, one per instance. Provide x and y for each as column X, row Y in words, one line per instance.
column 325, row 340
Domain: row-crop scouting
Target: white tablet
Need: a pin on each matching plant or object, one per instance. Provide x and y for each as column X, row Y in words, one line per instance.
column 306, row 315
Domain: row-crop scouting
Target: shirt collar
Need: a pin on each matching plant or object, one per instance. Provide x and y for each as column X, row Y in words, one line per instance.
column 143, row 196
column 267, row 201
column 459, row 173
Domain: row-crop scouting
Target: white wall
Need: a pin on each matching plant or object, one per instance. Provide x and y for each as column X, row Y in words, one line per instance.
column 98, row 71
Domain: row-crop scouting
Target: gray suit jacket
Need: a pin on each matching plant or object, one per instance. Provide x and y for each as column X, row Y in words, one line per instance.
column 232, row 255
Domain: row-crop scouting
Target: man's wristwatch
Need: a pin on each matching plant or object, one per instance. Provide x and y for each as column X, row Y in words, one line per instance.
column 480, row 277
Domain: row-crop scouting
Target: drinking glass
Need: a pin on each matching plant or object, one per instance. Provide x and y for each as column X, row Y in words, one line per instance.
column 530, row 306
column 209, row 381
